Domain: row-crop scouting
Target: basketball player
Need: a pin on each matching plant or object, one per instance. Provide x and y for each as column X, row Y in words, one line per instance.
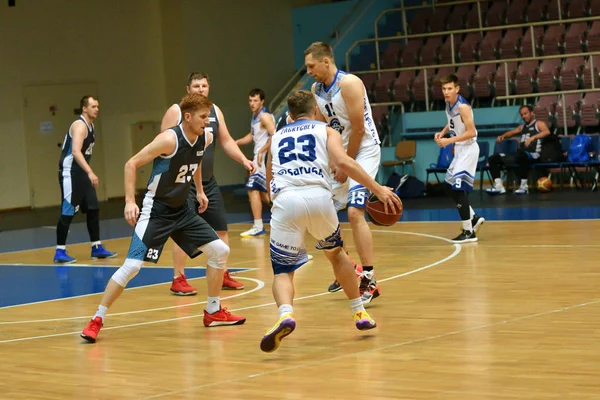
column 198, row 82
column 262, row 126
column 177, row 157
column 78, row 183
column 532, row 134
column 461, row 172
column 300, row 181
column 343, row 103
column 284, row 120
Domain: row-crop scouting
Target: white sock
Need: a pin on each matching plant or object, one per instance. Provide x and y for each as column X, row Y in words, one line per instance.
column 61, row 247
column 357, row 305
column 471, row 212
column 213, row 304
column 101, row 312
column 498, row 182
column 467, row 225
column 523, row 182
column 258, row 223
column 96, row 243
column 285, row 308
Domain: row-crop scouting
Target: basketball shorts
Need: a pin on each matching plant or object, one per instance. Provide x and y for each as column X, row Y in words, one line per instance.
column 158, row 222
column 77, row 192
column 294, row 212
column 214, row 214
column 258, row 180
column 461, row 172
column 352, row 193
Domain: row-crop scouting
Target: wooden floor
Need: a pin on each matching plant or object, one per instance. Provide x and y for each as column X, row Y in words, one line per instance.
column 515, row 316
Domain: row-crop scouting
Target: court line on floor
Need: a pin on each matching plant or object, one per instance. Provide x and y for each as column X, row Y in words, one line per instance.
column 457, row 250
column 377, row 349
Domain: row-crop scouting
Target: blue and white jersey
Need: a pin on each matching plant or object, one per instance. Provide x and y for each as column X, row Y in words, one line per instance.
column 300, row 157
column 260, row 135
column 333, row 107
column 456, row 127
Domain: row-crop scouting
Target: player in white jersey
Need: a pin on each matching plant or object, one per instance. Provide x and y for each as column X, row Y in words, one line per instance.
column 342, row 103
column 461, row 173
column 262, row 126
column 300, row 185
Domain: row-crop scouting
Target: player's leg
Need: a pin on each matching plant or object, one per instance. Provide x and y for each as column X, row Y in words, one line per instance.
column 287, row 255
column 257, row 184
column 523, row 159
column 496, row 162
column 180, row 285
column 324, row 225
column 195, row 237
column 92, row 210
column 148, row 239
column 66, row 216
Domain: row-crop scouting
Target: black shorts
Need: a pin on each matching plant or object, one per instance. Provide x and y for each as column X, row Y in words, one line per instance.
column 77, row 192
column 158, row 222
column 215, row 213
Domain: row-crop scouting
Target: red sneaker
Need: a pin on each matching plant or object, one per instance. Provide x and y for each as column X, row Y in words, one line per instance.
column 90, row 332
column 222, row 317
column 181, row 287
column 231, row 284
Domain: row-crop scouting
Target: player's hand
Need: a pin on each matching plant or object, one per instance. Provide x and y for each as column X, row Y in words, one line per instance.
column 339, row 176
column 203, row 201
column 391, row 201
column 438, row 135
column 250, row 166
column 132, row 212
column 93, row 179
column 499, row 138
column 442, row 142
column 528, row 141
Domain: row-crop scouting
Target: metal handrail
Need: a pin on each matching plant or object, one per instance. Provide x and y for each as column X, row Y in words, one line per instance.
column 391, row 103
column 530, row 25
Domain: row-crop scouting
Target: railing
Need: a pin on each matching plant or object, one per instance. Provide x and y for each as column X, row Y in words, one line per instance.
column 531, row 26
column 562, row 93
column 503, row 61
column 391, row 128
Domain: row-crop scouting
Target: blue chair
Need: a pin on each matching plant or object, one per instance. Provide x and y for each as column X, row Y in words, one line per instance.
column 445, row 157
column 507, row 146
column 484, row 153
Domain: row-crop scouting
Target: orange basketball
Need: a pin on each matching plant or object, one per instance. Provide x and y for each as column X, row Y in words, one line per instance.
column 377, row 214
column 544, row 184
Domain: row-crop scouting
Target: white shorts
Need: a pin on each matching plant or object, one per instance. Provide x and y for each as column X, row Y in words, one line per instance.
column 352, row 193
column 294, row 212
column 461, row 173
column 258, row 180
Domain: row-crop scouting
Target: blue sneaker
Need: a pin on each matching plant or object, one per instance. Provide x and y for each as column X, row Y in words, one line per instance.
column 61, row 257
column 100, row 252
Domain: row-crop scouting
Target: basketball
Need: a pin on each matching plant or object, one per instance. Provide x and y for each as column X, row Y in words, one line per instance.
column 377, row 214
column 544, row 184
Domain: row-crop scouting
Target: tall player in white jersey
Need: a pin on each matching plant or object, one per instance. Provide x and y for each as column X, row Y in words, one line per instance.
column 461, row 173
column 342, row 103
column 262, row 126
column 300, row 184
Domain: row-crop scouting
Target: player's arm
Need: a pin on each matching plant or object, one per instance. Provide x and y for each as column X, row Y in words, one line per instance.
column 543, row 130
column 353, row 93
column 269, row 171
column 163, row 145
column 244, row 140
column 170, row 118
column 78, row 134
column 229, row 145
column 319, row 116
column 466, row 116
column 266, row 120
column 353, row 169
column 511, row 133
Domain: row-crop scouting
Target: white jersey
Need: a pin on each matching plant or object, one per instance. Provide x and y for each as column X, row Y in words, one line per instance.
column 260, row 135
column 333, row 108
column 300, row 157
column 456, row 127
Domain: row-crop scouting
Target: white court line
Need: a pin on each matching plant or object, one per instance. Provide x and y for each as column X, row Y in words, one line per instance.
column 373, row 350
column 457, row 249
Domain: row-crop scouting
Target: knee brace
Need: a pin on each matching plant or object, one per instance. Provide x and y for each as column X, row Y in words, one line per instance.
column 129, row 270
column 217, row 252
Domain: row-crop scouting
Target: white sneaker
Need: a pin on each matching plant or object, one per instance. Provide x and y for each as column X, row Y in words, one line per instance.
column 522, row 190
column 497, row 189
column 253, row 232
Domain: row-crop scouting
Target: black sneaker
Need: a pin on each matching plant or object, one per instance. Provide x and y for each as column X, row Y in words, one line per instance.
column 465, row 237
column 335, row 287
column 477, row 221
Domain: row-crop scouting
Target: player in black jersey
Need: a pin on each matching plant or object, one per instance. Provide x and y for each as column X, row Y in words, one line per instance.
column 198, row 82
column 177, row 159
column 532, row 134
column 78, row 183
